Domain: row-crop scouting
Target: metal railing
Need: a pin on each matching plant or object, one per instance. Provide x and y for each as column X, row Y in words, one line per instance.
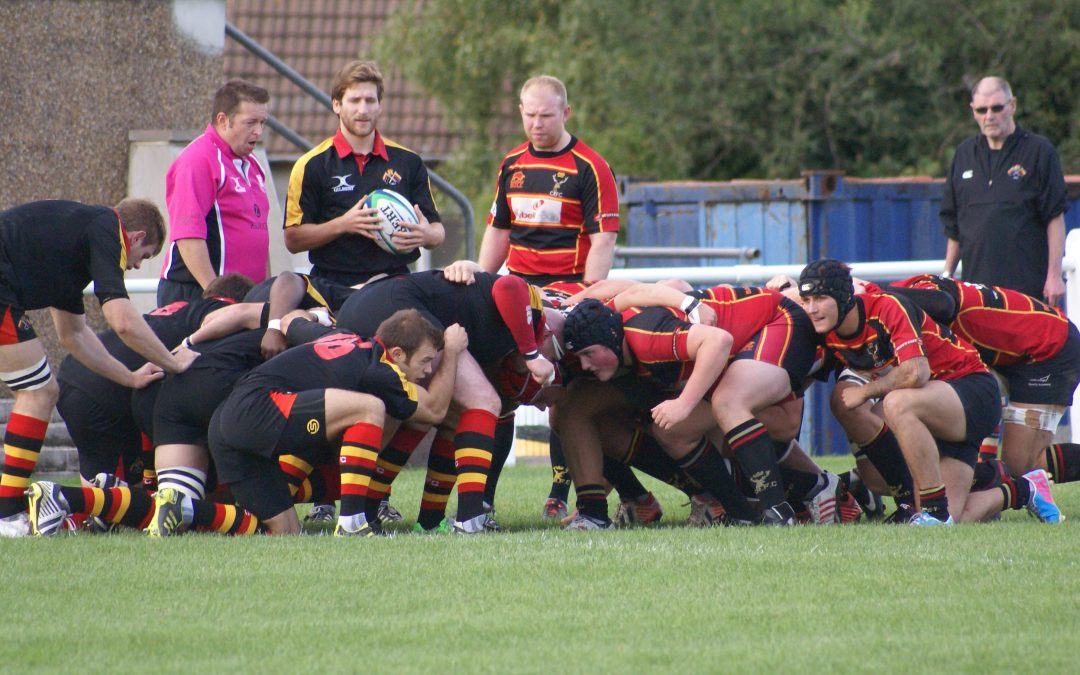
column 744, row 254
column 299, row 141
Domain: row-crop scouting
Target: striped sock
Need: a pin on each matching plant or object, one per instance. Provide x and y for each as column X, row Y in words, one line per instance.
column 504, row 444
column 751, row 444
column 1063, row 462
column 389, row 464
column 592, row 502
column 560, row 474
column 149, row 477
column 934, row 502
column 297, row 473
column 183, row 479
column 474, row 439
column 359, row 452
column 1017, row 492
column 224, row 518
column 121, row 505
column 439, row 481
column 22, row 445
column 884, row 453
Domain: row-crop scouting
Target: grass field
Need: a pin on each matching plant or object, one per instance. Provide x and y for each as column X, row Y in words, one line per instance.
column 996, row 597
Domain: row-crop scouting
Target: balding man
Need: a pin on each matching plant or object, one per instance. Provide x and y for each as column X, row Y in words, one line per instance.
column 1004, row 203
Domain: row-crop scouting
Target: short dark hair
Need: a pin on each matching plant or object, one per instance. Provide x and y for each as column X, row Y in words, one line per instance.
column 234, row 92
column 142, row 215
column 408, row 329
column 356, row 72
column 234, row 286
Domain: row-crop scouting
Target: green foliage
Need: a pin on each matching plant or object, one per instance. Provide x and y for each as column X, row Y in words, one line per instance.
column 711, row 90
column 862, row 598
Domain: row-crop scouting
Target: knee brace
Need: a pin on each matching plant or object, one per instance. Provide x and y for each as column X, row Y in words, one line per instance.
column 28, row 379
column 1040, row 419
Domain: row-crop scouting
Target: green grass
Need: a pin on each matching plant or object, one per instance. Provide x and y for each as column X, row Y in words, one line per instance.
column 973, row 598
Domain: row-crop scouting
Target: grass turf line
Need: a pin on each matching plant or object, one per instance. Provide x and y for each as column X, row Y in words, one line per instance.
column 982, row 598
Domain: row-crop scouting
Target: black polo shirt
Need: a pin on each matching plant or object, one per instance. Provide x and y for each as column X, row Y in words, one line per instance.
column 330, row 179
column 997, row 204
column 50, row 250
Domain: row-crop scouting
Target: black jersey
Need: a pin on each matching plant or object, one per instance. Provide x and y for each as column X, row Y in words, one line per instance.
column 340, row 360
column 50, row 250
column 472, row 306
column 171, row 324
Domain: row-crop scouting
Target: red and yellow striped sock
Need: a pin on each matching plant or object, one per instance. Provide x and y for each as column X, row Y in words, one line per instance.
column 297, row 471
column 389, row 464
column 438, row 482
column 359, row 452
column 474, row 440
column 121, row 505
column 22, row 445
column 223, row 518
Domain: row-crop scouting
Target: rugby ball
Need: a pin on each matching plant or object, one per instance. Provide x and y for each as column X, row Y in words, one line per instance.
column 396, row 214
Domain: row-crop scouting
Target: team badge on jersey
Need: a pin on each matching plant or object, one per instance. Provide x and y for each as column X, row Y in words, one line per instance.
column 560, row 179
column 1016, row 172
column 391, row 177
column 517, row 181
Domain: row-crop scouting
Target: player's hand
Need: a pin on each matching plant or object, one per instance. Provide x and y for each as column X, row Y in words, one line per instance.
column 360, row 219
column 706, row 316
column 542, row 370
column 146, row 374
column 780, row 282
column 1053, row 290
column 455, row 340
column 183, row 358
column 462, row 272
column 273, row 343
column 414, row 235
column 853, row 397
column 669, row 413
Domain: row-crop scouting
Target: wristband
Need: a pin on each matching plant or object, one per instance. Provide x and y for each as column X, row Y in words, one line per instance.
column 274, row 324
column 946, row 274
column 689, row 306
column 534, row 354
column 186, row 342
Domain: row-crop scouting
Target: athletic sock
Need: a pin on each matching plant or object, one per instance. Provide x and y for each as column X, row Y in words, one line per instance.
column 122, row 505
column 752, row 446
column 185, row 480
column 473, row 441
column 622, row 478
column 801, row 485
column 210, row 516
column 359, row 452
column 298, row 475
column 592, row 502
column 934, row 502
column 989, row 447
column 22, row 445
column 560, row 474
column 987, row 475
column 149, row 476
column 1063, row 462
column 705, row 465
column 439, row 481
column 1017, row 492
column 884, row 453
column 504, row 443
column 388, row 465
column 647, row 456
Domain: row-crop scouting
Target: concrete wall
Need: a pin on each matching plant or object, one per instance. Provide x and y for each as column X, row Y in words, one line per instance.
column 77, row 76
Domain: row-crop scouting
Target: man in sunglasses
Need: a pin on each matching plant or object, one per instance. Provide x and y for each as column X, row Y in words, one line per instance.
column 1004, row 202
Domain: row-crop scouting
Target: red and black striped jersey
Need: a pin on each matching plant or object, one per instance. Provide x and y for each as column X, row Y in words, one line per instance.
column 558, row 292
column 741, row 311
column 657, row 340
column 1006, row 326
column 892, row 330
column 551, row 202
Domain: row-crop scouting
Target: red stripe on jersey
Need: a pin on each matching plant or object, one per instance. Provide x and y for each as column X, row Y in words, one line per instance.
column 657, row 338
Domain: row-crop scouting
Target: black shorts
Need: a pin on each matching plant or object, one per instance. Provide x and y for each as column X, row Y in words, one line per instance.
column 15, row 326
column 102, row 437
column 1050, row 382
column 265, row 492
column 303, row 331
column 142, row 407
column 169, row 291
column 256, row 423
column 377, row 302
column 789, row 341
column 981, row 400
column 187, row 401
column 334, row 294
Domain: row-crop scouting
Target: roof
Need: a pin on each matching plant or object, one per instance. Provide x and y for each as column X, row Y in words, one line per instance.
column 315, row 38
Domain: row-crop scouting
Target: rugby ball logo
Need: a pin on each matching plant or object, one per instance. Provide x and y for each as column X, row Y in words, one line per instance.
column 396, row 214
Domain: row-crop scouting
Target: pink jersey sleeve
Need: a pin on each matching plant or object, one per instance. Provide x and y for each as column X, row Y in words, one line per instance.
column 190, row 186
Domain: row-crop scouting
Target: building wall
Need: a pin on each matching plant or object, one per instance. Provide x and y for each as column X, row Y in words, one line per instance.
column 77, row 76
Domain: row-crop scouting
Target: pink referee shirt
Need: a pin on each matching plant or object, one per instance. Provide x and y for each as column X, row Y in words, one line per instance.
column 214, row 195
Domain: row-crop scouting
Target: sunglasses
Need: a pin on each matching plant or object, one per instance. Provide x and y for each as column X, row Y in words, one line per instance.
column 981, row 110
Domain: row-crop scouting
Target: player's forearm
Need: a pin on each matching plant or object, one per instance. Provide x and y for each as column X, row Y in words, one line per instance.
column 601, row 254
column 709, row 348
column 649, row 295
column 952, row 255
column 88, row 350
column 434, row 236
column 197, row 260
column 910, row 374
column 131, row 328
column 440, row 392
column 300, row 238
column 493, row 249
column 228, row 320
column 1055, row 244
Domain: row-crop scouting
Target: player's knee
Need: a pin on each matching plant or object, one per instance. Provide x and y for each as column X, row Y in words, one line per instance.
column 42, row 398
column 897, row 405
